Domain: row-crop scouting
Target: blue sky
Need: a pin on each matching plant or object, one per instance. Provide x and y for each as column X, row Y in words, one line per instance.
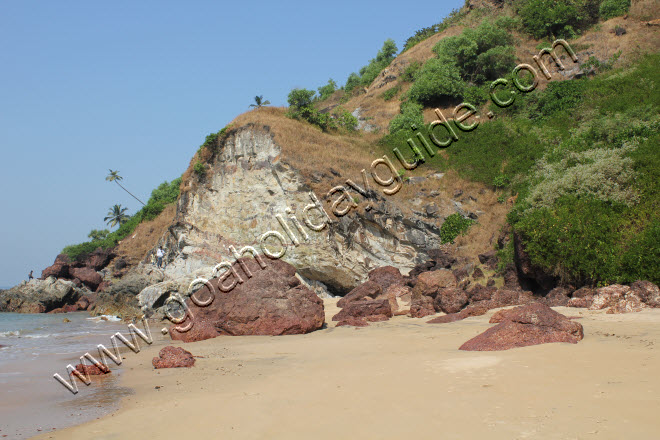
column 136, row 86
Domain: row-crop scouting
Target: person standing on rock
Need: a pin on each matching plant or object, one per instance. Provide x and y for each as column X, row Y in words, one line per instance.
column 159, row 257
column 30, row 276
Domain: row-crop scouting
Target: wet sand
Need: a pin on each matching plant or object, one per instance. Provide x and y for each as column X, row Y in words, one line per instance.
column 398, row 379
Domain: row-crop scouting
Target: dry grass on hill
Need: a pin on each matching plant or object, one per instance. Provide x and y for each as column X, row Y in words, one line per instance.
column 135, row 247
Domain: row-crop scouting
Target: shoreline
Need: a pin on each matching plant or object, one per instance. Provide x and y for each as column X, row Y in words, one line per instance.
column 395, row 378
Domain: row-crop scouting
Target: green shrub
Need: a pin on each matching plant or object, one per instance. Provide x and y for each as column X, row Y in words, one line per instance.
column 438, row 82
column 481, row 54
column 327, row 90
column 301, row 108
column 391, row 93
column 345, row 119
column 199, row 169
column 453, row 226
column 299, row 98
column 369, row 72
column 411, row 113
column 613, row 8
column 424, row 33
column 98, row 235
column 411, row 72
column 556, row 18
column 500, row 181
column 641, row 261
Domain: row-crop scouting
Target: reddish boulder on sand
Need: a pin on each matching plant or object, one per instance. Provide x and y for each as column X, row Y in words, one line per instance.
column 617, row 299
column 173, row 357
column 59, row 269
column 386, row 276
column 89, row 277
column 523, row 326
column 271, row 302
column 648, row 292
column 473, row 310
column 450, row 300
column 480, row 293
column 557, row 297
column 355, row 322
column 92, row 369
column 421, row 306
column 369, row 309
column 368, row 289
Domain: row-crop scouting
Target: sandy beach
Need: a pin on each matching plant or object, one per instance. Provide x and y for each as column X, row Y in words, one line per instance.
column 398, row 379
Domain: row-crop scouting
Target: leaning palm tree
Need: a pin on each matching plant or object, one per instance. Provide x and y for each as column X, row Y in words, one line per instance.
column 116, row 215
column 259, row 102
column 115, row 177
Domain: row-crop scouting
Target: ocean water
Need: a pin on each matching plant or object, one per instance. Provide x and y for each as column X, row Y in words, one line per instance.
column 36, row 346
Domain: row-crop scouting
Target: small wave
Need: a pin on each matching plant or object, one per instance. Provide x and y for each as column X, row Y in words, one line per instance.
column 111, row 318
column 9, row 334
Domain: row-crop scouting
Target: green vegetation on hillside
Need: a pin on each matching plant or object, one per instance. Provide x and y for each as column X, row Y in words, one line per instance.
column 583, row 157
column 162, row 196
column 376, row 65
column 301, row 107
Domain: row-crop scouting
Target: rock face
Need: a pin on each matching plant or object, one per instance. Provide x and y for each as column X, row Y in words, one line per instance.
column 249, row 184
column 39, row 296
column 88, row 276
column 271, row 302
column 121, row 298
column 59, row 269
column 526, row 325
column 173, row 357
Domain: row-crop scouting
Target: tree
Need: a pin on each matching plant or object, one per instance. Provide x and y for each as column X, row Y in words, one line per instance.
column 116, row 216
column 327, row 90
column 259, row 102
column 115, row 177
column 97, row 235
column 300, row 98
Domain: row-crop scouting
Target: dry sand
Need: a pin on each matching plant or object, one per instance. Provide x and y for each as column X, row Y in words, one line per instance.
column 398, row 379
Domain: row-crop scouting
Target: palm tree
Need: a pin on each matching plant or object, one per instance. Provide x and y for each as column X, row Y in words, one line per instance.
column 116, row 215
column 115, row 177
column 259, row 102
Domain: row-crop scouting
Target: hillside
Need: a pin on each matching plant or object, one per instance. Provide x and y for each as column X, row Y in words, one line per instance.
column 560, row 184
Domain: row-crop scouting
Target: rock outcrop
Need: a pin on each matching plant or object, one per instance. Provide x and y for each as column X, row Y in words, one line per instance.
column 249, row 184
column 40, row 296
column 173, row 357
column 270, row 302
column 532, row 324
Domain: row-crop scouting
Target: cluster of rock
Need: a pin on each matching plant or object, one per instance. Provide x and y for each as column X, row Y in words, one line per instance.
column 435, row 287
column 83, row 272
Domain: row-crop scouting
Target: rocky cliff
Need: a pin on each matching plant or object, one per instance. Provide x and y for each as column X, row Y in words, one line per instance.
column 249, row 182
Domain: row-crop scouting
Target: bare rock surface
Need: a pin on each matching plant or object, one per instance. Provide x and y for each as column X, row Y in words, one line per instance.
column 173, row 357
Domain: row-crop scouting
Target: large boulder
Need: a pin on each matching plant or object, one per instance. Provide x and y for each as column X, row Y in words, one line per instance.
column 386, row 276
column 648, row 292
column 152, row 298
column 270, row 302
column 89, row 277
column 367, row 310
column 39, row 296
column 617, row 298
column 121, row 304
column 523, row 326
column 99, row 259
column 450, row 300
column 173, row 357
column 426, row 289
column 59, row 269
column 368, row 289
column 437, row 259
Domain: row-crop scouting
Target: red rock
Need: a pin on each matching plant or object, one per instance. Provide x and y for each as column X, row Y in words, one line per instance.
column 489, row 259
column 583, row 302
column 386, row 276
column 421, row 305
column 70, row 308
column 428, row 283
column 523, row 326
column 557, row 297
column 99, row 259
column 584, row 292
column 271, row 302
column 92, row 369
column 368, row 289
column 89, row 277
column 473, row 310
column 450, row 300
column 57, row 310
column 369, row 309
column 648, row 292
column 83, row 303
column 480, row 293
column 438, row 259
column 351, row 321
column 59, row 269
column 608, row 296
column 173, row 357
column 477, row 274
